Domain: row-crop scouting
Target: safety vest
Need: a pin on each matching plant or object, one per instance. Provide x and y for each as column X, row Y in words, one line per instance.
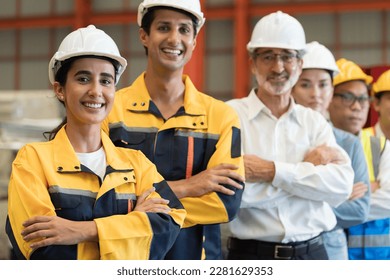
column 370, row 240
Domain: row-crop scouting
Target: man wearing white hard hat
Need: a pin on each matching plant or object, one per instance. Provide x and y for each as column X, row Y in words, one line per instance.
column 314, row 89
column 193, row 139
column 289, row 191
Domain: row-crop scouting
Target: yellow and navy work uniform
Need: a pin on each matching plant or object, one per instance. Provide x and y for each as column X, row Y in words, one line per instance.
column 48, row 179
column 203, row 133
column 370, row 240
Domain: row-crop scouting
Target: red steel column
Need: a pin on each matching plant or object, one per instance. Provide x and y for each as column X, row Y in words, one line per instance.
column 195, row 67
column 241, row 33
column 82, row 13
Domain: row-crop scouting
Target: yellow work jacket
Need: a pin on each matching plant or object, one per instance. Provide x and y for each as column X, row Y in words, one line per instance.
column 48, row 179
column 204, row 133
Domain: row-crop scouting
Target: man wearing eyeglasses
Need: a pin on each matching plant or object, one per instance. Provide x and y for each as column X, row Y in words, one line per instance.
column 290, row 188
column 349, row 107
column 348, row 111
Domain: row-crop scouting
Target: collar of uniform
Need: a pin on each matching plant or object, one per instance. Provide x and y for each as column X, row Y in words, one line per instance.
column 140, row 102
column 193, row 102
column 65, row 157
column 256, row 106
column 194, row 115
column 114, row 158
column 117, row 161
column 66, row 160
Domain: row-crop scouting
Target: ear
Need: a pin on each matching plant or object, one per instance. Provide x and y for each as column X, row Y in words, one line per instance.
column 252, row 64
column 300, row 64
column 375, row 104
column 59, row 91
column 143, row 36
column 194, row 44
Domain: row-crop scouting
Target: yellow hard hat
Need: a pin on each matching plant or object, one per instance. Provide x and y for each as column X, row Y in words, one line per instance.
column 383, row 83
column 350, row 71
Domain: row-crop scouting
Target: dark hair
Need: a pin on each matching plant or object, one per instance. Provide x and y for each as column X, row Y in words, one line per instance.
column 330, row 74
column 61, row 78
column 149, row 17
column 378, row 95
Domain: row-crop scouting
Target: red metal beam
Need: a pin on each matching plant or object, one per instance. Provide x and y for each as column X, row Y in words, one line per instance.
column 241, row 33
column 320, row 7
column 195, row 67
column 219, row 13
column 36, row 22
column 67, row 20
column 114, row 18
column 83, row 14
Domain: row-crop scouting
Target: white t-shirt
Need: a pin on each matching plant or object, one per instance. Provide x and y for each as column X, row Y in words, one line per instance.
column 96, row 161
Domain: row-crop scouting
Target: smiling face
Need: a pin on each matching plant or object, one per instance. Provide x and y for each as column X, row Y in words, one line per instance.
column 171, row 40
column 314, row 89
column 276, row 70
column 88, row 92
column 353, row 117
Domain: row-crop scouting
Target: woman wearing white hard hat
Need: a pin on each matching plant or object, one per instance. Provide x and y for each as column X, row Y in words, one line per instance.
column 78, row 196
column 193, row 139
column 314, row 89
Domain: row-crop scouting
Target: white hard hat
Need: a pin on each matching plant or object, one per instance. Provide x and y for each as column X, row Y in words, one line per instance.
column 87, row 41
column 191, row 6
column 278, row 30
column 318, row 56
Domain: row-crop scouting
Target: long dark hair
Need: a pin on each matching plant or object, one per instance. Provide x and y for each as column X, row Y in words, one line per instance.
column 61, row 77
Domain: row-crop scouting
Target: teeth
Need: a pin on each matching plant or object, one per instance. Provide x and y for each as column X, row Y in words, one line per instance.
column 93, row 105
column 177, row 52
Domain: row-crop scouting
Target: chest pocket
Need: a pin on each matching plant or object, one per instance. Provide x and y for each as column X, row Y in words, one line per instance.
column 192, row 151
column 134, row 139
column 73, row 204
column 120, row 199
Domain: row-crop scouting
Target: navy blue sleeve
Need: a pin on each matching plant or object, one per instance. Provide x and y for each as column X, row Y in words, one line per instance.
column 165, row 229
column 353, row 212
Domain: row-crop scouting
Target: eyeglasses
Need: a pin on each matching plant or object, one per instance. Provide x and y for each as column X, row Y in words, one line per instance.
column 349, row 99
column 270, row 57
